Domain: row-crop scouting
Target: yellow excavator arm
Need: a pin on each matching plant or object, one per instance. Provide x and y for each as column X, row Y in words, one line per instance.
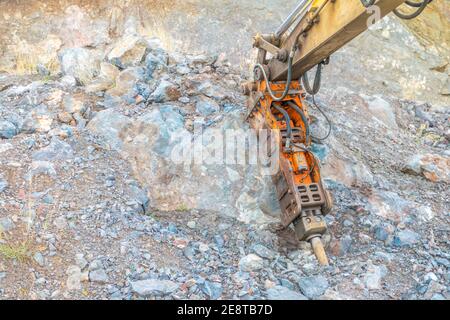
column 313, row 31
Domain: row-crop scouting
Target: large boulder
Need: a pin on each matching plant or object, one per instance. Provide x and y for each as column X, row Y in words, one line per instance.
column 181, row 169
column 81, row 63
column 128, row 51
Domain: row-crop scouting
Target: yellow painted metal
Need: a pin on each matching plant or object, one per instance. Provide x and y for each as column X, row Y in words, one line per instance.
column 339, row 22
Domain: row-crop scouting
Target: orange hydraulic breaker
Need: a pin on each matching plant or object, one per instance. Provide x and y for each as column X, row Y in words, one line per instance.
column 303, row 199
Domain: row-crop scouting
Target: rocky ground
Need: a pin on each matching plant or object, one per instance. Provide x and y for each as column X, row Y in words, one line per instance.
column 91, row 206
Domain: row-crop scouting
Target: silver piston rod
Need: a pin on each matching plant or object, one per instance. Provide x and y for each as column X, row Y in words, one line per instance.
column 299, row 11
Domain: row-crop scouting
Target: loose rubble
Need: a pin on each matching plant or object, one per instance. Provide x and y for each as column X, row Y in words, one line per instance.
column 92, row 208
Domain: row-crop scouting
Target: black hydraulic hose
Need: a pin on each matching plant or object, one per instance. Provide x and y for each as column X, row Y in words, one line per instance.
column 303, row 116
column 415, row 4
column 420, row 7
column 289, row 78
column 317, row 81
column 330, row 126
column 286, row 118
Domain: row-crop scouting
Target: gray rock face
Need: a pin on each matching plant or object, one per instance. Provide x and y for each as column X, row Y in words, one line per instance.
column 382, row 111
column 313, row 287
column 153, row 287
column 283, row 293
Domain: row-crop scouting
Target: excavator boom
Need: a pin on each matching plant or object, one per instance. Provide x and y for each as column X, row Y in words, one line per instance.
column 337, row 23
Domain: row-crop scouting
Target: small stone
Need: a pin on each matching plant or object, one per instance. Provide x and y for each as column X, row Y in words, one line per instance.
column 206, row 106
column 95, row 265
column 128, row 51
column 212, row 289
column 166, row 91
column 184, row 100
column 65, row 117
column 68, row 81
column 263, row 251
column 7, row 129
column 73, row 281
column 3, row 185
column 81, row 261
column 406, row 238
column 153, row 287
column 191, row 224
column 382, row 232
column 313, row 287
column 374, row 276
column 382, row 111
column 182, row 69
column 110, row 181
column 73, row 105
column 39, row 259
column 99, row 276
column 383, row 256
column 60, row 222
column 251, row 262
column 282, row 293
column 6, row 224
column 42, row 70
column 155, row 62
column 342, row 246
